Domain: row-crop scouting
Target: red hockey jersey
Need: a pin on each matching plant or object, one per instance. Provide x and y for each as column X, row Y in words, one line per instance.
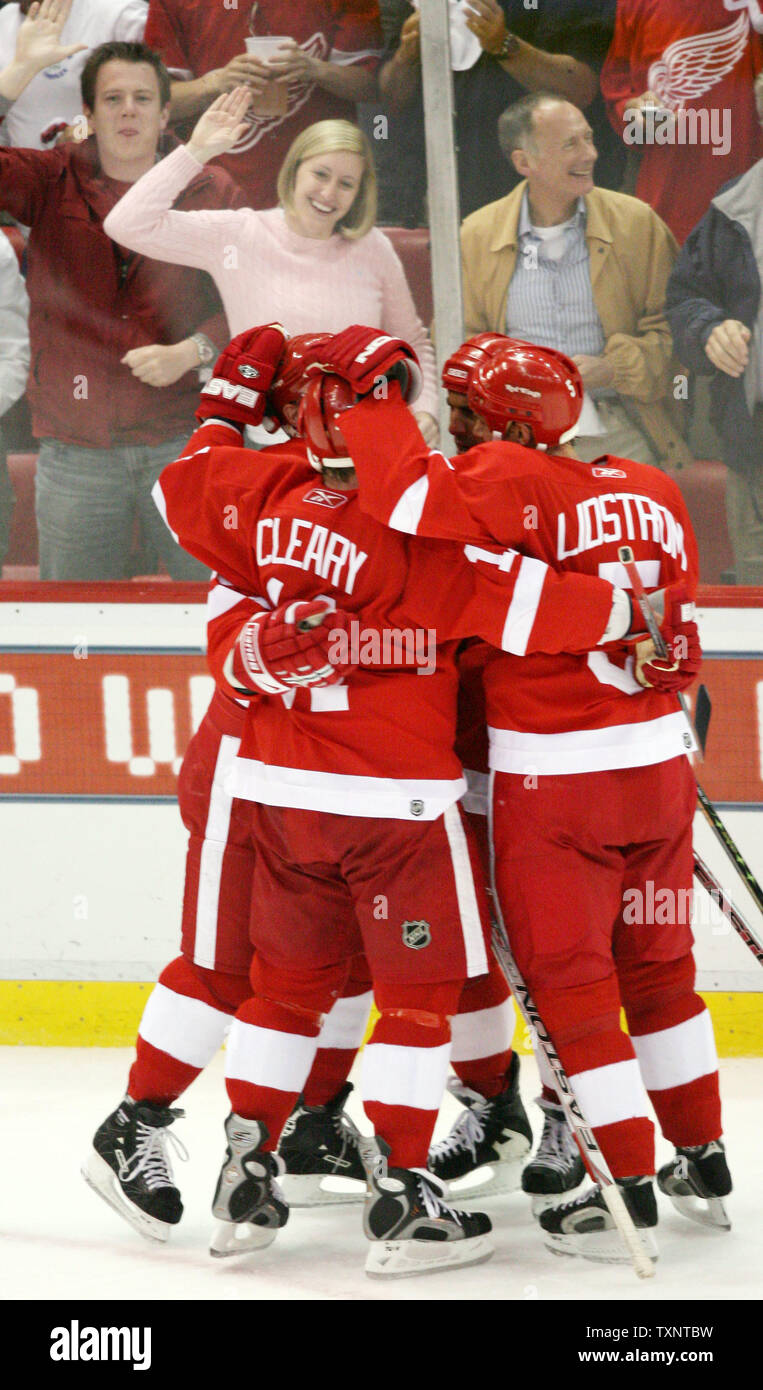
column 551, row 713
column 381, row 742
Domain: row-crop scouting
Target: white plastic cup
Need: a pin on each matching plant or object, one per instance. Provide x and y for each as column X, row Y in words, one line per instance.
column 275, row 100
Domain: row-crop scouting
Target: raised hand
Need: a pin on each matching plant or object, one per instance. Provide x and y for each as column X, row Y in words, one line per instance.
column 221, row 125
column 38, row 44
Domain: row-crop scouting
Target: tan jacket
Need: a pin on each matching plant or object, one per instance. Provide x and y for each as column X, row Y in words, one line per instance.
column 632, row 253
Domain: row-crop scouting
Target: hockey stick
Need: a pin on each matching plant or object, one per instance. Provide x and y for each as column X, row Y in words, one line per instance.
column 642, row 1263
column 709, row 882
column 625, row 555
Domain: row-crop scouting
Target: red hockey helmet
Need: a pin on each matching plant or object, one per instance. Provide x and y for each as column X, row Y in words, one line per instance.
column 300, row 352
column 538, row 386
column 322, row 404
column 460, row 366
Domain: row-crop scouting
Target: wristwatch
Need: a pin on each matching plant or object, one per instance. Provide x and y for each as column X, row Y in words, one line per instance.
column 205, row 348
column 509, row 48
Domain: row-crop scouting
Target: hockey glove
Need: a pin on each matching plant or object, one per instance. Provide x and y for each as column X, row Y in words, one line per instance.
column 298, row 644
column 236, row 391
column 364, row 357
column 675, row 672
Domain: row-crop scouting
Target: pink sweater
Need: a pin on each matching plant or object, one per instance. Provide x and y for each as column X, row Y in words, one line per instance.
column 265, row 272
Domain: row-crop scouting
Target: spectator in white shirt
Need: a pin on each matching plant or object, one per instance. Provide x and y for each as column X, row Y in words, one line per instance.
column 14, row 365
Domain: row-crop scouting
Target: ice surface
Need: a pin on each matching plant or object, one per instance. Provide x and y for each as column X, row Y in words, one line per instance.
column 60, row 1241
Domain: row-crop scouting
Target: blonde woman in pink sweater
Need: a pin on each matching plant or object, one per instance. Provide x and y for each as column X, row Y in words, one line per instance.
column 316, row 263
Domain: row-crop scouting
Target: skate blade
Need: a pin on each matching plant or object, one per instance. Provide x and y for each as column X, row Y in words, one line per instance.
column 238, row 1238
column 491, row 1180
column 706, row 1211
column 601, row 1247
column 320, row 1189
column 103, row 1180
column 401, row 1259
column 543, row 1201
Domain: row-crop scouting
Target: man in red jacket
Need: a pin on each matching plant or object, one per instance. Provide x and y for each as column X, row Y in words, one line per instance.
column 117, row 339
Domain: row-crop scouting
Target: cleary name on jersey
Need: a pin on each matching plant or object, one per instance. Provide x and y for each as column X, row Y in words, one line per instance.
column 381, row 742
column 560, row 713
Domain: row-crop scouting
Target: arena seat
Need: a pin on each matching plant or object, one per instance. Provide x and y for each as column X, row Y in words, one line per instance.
column 412, row 246
column 703, row 485
column 22, row 546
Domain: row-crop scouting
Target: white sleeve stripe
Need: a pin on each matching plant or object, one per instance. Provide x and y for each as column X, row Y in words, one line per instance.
column 161, row 504
column 220, row 598
column 524, row 606
column 406, row 514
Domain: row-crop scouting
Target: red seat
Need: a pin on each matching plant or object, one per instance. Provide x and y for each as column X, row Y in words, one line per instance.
column 412, row 246
column 22, row 547
column 703, row 485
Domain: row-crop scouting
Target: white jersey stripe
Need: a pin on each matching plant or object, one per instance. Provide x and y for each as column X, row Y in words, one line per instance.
column 588, row 750
column 340, row 793
column 412, row 1076
column 213, row 849
column 466, row 893
column 160, row 501
column 483, row 1033
column 188, row 1029
column 406, row 514
column 345, row 1024
column 524, row 605
column 612, row 1093
column 267, row 1057
column 675, row 1056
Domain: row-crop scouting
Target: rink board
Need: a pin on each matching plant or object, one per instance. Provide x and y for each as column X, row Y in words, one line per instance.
column 98, row 699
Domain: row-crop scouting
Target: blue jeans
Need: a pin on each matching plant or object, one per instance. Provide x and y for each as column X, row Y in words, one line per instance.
column 87, row 501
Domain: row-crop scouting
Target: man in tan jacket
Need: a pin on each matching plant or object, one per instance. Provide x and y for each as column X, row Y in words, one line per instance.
column 582, row 269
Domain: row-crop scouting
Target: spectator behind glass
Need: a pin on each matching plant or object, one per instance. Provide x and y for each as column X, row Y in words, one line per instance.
column 116, row 339
column 52, row 100
column 14, row 366
column 498, row 51
column 694, row 65
column 326, row 64
column 714, row 306
column 314, row 264
column 581, row 269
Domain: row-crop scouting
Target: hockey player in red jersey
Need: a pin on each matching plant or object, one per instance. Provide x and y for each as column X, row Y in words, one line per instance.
column 354, row 818
column 587, row 760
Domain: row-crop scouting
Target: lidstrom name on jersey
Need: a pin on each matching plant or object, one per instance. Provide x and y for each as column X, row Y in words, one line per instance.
column 309, row 546
column 619, row 516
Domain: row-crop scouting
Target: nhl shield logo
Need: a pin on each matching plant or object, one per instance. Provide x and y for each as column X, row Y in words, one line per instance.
column 417, row 935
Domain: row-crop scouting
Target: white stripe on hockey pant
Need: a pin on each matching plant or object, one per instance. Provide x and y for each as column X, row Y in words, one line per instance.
column 524, row 605
column 188, row 1029
column 412, row 1076
column 675, row 1056
column 212, row 851
column 466, row 893
column 612, row 1093
column 406, row 514
column 345, row 1024
column 483, row 1033
column 266, row 1057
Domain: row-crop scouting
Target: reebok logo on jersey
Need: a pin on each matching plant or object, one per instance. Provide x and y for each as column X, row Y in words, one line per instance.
column 322, row 497
column 608, row 473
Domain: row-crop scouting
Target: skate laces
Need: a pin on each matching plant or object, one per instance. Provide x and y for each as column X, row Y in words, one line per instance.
column 466, row 1134
column 557, row 1146
column 151, row 1157
column 433, row 1205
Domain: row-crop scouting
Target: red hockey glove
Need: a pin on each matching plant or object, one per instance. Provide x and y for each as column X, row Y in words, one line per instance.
column 237, row 389
column 679, row 630
column 297, row 644
column 364, row 356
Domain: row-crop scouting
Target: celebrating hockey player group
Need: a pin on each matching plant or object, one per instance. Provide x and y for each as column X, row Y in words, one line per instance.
column 334, row 848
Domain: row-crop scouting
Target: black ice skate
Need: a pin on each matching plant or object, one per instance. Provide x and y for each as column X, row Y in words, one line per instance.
column 410, row 1228
column 248, row 1202
column 482, row 1156
column 557, row 1167
column 585, row 1227
column 319, row 1147
column 696, row 1180
column 129, row 1166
